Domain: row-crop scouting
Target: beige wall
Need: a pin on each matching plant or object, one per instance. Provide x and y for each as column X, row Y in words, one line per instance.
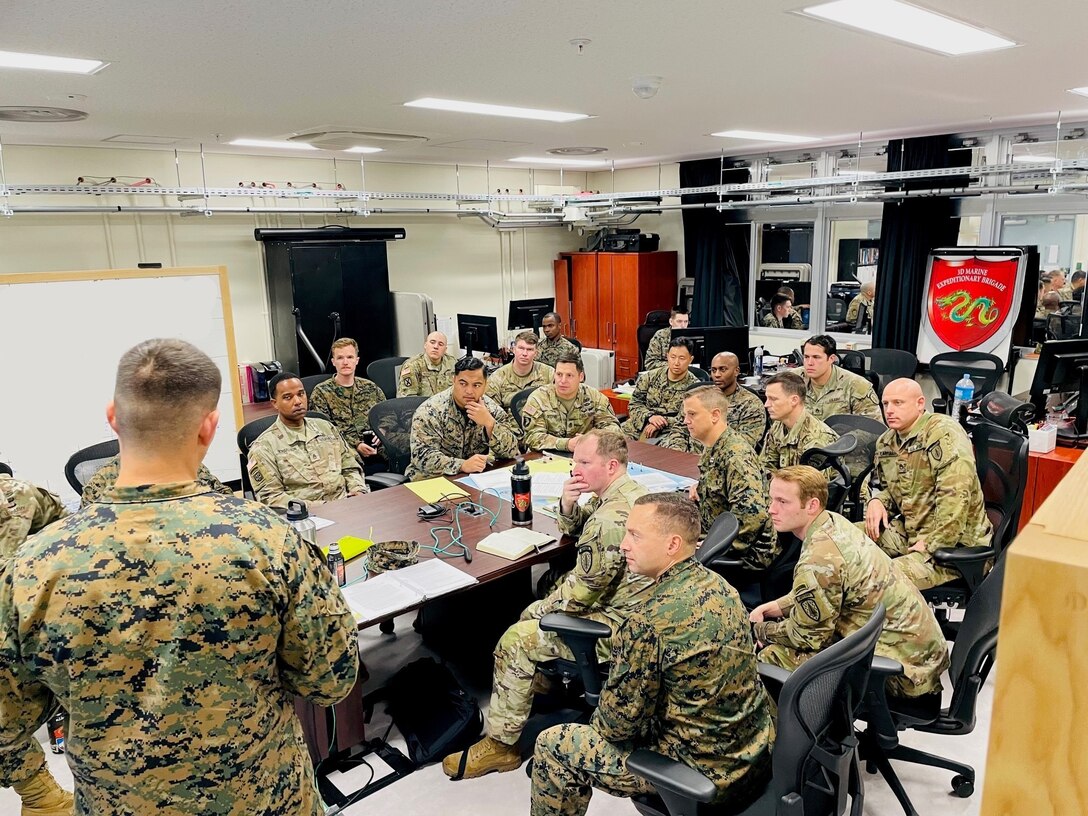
column 463, row 264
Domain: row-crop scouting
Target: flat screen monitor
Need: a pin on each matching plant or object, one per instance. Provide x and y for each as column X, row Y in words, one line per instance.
column 527, row 314
column 1063, row 369
column 478, row 333
column 710, row 340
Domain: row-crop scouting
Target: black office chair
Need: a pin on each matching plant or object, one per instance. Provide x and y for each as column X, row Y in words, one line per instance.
column 517, row 402
column 644, row 334
column 6, row 469
column 1062, row 325
column 852, row 361
column 949, row 367
column 1007, row 411
column 1001, row 462
column 836, row 310
column 392, row 422
column 719, row 538
column 309, row 383
column 832, row 456
column 576, row 343
column 860, row 461
column 85, row 463
column 384, row 373
column 972, row 656
column 701, row 374
column 890, row 364
column 814, row 765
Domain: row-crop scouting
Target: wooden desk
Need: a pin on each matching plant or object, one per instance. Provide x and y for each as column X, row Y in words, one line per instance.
column 1045, row 470
column 256, row 410
column 620, row 405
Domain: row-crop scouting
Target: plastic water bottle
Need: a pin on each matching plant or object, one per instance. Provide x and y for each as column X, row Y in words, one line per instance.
column 757, row 361
column 336, row 564
column 965, row 392
column 299, row 518
column 521, row 488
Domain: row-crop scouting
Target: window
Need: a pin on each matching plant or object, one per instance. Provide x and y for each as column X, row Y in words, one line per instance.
column 785, row 260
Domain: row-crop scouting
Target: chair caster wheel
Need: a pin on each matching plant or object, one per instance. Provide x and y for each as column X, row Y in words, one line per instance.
column 962, row 786
column 870, row 767
column 386, row 627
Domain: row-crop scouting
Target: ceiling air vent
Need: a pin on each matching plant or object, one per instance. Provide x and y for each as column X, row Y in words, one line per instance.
column 577, row 151
column 29, row 113
column 345, row 138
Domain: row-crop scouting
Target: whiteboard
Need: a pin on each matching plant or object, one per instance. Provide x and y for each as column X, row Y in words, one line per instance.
column 64, row 334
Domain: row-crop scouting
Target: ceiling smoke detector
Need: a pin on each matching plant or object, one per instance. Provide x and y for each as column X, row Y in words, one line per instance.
column 41, row 115
column 576, row 151
column 334, row 138
column 646, row 87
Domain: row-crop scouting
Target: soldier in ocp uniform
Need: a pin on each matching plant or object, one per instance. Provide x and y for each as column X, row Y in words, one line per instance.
column 300, row 457
column 747, row 414
column 656, row 404
column 730, row 477
column 523, row 372
column 555, row 416
column 25, row 509
column 793, row 429
column 599, row 587
column 657, row 352
column 175, row 625
column 832, row 389
column 346, row 400
column 839, row 579
column 461, row 429
column 429, row 372
column 104, row 478
column 930, row 497
column 683, row 681
column 554, row 345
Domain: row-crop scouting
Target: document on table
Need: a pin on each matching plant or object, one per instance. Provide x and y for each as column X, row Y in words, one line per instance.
column 399, row 589
column 490, row 480
column 656, row 482
column 432, row 490
column 322, row 523
column 549, row 485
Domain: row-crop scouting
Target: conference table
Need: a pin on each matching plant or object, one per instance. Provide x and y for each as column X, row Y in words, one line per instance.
column 390, row 515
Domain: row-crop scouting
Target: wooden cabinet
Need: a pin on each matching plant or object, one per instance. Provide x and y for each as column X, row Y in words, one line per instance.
column 604, row 297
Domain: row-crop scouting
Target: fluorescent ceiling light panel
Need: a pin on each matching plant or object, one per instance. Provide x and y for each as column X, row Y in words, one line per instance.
column 1081, row 91
column 274, row 145
column 564, row 162
column 360, row 149
column 1027, row 157
column 494, row 110
column 909, row 24
column 761, row 136
column 42, row 62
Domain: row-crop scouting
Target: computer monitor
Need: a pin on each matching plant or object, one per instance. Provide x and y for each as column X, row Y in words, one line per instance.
column 1063, row 369
column 527, row 314
column 710, row 340
column 478, row 333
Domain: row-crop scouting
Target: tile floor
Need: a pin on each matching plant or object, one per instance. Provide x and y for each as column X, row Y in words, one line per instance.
column 428, row 791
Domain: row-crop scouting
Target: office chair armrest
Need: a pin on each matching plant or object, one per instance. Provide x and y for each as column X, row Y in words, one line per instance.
column 725, row 562
column 578, row 627
column 957, row 557
column 940, row 405
column 885, row 667
column 671, row 777
column 774, row 678
column 380, row 481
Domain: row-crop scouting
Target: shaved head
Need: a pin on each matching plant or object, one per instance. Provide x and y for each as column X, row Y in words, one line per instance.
column 903, row 402
column 724, row 369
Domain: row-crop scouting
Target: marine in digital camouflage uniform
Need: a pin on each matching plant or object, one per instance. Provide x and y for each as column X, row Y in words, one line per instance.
column 420, row 376
column 656, row 394
column 311, row 463
column 348, row 406
column 658, row 348
column 844, row 393
column 682, row 682
column 931, row 491
column 599, row 587
column 103, row 479
column 747, row 416
column 784, row 446
column 175, row 625
column 549, row 351
column 839, row 579
column 550, row 421
column 506, row 382
column 24, row 510
column 443, row 437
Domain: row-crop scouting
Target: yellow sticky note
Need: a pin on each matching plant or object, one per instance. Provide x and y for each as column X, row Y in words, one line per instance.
column 350, row 547
column 432, row 490
column 550, row 464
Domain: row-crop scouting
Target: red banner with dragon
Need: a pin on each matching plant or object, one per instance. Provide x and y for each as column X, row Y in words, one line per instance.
column 970, row 299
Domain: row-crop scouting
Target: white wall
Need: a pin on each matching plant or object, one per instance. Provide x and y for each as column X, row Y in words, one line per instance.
column 463, row 264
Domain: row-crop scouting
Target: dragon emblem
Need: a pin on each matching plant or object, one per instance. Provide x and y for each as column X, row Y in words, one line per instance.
column 961, row 307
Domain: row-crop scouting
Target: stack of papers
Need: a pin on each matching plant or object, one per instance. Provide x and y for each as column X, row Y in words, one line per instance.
column 514, row 543
column 434, row 490
column 400, row 589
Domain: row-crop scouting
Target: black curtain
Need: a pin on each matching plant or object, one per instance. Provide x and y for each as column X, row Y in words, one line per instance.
column 909, row 229
column 717, row 246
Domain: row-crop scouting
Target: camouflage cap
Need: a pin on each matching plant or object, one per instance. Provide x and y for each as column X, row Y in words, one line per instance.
column 390, row 555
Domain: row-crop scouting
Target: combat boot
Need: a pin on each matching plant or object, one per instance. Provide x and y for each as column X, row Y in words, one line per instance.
column 42, row 796
column 485, row 756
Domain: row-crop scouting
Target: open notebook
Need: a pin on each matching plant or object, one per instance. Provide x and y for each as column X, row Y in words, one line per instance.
column 514, row 543
column 403, row 588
